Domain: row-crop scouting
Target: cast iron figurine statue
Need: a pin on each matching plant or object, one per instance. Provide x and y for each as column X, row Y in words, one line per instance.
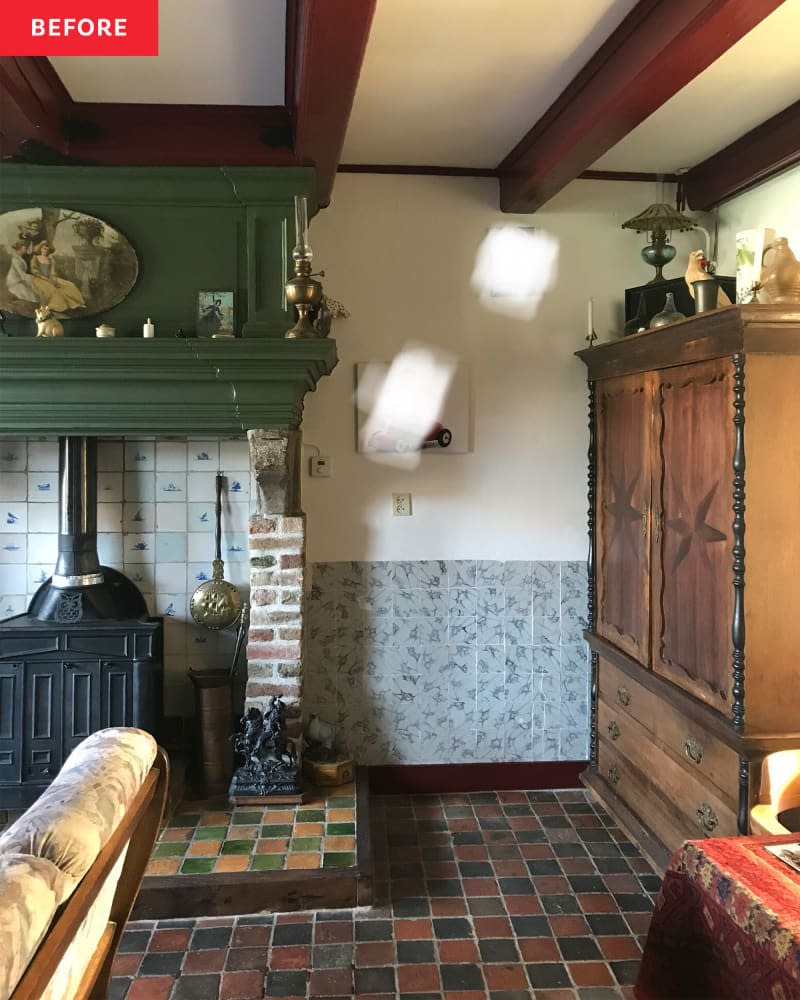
column 270, row 759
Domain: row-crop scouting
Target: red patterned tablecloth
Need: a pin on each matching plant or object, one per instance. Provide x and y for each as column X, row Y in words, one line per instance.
column 726, row 925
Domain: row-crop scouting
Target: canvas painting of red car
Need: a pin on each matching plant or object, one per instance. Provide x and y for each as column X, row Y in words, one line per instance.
column 402, row 431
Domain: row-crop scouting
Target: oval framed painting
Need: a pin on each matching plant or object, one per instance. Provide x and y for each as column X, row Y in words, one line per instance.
column 74, row 263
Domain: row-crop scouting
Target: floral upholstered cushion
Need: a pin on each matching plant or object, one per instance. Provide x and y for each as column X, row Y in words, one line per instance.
column 31, row 889
column 76, row 815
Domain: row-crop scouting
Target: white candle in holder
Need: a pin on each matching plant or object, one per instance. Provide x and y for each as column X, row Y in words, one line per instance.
column 590, row 317
column 148, row 329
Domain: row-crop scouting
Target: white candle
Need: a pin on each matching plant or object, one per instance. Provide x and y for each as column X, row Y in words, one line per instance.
column 590, row 317
column 148, row 329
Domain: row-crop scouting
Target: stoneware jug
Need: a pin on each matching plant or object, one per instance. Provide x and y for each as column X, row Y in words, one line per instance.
column 104, row 330
column 780, row 273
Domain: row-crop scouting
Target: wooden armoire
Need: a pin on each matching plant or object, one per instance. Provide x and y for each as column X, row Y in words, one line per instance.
column 694, row 592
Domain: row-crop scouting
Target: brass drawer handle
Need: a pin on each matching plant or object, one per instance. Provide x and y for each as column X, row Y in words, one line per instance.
column 707, row 817
column 613, row 730
column 624, row 695
column 613, row 775
column 693, row 749
column 645, row 512
column 658, row 525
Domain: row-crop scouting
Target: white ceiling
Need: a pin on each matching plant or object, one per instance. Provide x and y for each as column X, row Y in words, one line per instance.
column 210, row 52
column 453, row 82
column 459, row 82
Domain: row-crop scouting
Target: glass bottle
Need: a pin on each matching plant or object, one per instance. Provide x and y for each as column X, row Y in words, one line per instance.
column 637, row 322
column 669, row 314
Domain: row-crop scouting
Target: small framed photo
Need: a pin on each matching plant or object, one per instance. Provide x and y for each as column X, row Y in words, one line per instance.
column 215, row 315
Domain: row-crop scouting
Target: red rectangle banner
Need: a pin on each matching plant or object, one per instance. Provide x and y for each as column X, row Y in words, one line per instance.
column 80, row 28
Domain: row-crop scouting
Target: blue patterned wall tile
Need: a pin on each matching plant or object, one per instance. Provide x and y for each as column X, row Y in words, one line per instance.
column 489, row 573
column 518, row 575
column 518, row 631
column 546, row 630
column 463, row 631
column 462, row 601
column 491, row 601
column 461, row 572
column 546, row 588
column 490, row 630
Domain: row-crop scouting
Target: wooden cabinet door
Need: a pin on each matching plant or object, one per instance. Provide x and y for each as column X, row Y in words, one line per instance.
column 623, row 408
column 692, row 539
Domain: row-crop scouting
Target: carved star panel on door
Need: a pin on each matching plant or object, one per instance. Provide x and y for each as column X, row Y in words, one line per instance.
column 623, row 487
column 692, row 555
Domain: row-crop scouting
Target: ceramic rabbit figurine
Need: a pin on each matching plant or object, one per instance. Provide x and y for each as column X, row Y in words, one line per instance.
column 46, row 323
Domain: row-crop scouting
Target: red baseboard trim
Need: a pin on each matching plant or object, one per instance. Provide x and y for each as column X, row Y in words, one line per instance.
column 397, row 779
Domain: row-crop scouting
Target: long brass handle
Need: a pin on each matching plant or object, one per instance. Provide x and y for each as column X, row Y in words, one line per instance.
column 613, row 775
column 707, row 817
column 658, row 525
column 624, row 695
column 693, row 749
column 613, row 730
column 645, row 512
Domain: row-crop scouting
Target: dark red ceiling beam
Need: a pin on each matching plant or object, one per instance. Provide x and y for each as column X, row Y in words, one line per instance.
column 33, row 102
column 760, row 154
column 656, row 50
column 179, row 135
column 330, row 42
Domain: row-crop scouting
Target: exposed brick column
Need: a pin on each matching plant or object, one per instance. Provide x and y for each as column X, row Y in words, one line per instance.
column 277, row 559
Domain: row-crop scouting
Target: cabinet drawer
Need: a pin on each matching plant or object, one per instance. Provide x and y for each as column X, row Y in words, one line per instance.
column 706, row 813
column 628, row 782
column 703, row 755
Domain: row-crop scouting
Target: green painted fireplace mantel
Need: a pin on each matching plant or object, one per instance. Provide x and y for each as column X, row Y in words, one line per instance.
column 192, row 228
column 116, row 387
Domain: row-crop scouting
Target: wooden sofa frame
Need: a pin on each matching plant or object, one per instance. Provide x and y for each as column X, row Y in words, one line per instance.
column 140, row 826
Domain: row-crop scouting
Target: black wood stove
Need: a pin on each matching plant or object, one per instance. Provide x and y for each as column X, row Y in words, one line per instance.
column 86, row 655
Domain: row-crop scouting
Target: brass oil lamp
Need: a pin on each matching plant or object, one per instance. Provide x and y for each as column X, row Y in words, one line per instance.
column 303, row 291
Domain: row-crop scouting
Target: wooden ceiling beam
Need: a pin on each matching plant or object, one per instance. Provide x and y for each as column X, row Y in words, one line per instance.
column 33, row 103
column 763, row 152
column 656, row 50
column 331, row 39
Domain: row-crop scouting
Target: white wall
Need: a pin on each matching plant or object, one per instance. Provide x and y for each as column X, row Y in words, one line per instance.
column 399, row 252
column 774, row 205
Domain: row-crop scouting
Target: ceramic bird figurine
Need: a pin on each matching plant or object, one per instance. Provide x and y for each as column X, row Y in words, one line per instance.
column 696, row 270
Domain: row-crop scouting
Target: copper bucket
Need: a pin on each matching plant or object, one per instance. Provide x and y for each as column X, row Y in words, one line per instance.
column 213, row 711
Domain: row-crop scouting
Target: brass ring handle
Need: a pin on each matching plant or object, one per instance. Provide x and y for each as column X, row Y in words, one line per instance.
column 624, row 695
column 693, row 749
column 613, row 775
column 707, row 817
column 613, row 730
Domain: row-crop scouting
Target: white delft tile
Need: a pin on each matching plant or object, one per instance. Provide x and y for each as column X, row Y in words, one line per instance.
column 197, row 573
column 171, row 487
column 42, row 487
column 171, row 548
column 140, row 456
column 109, row 549
column 13, row 455
column 110, row 456
column 234, row 456
column 172, row 605
column 13, row 549
column 200, row 548
column 238, row 487
column 43, row 456
column 235, row 547
column 201, row 487
column 13, row 517
column 37, row 575
column 200, row 517
column 13, row 579
column 139, row 487
column 138, row 517
column 143, row 575
column 202, row 456
column 170, row 456
column 109, row 487
column 11, row 605
column 43, row 549
column 13, row 487
column 139, row 548
column 109, row 516
column 236, row 516
column 43, row 517
column 171, row 517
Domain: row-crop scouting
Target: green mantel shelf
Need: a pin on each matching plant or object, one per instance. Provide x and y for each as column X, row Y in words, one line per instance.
column 163, row 386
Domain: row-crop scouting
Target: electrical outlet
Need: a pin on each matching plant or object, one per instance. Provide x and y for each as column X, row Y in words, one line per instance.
column 320, row 466
column 401, row 504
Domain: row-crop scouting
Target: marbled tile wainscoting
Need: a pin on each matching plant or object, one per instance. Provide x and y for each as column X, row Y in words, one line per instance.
column 155, row 523
column 435, row 662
